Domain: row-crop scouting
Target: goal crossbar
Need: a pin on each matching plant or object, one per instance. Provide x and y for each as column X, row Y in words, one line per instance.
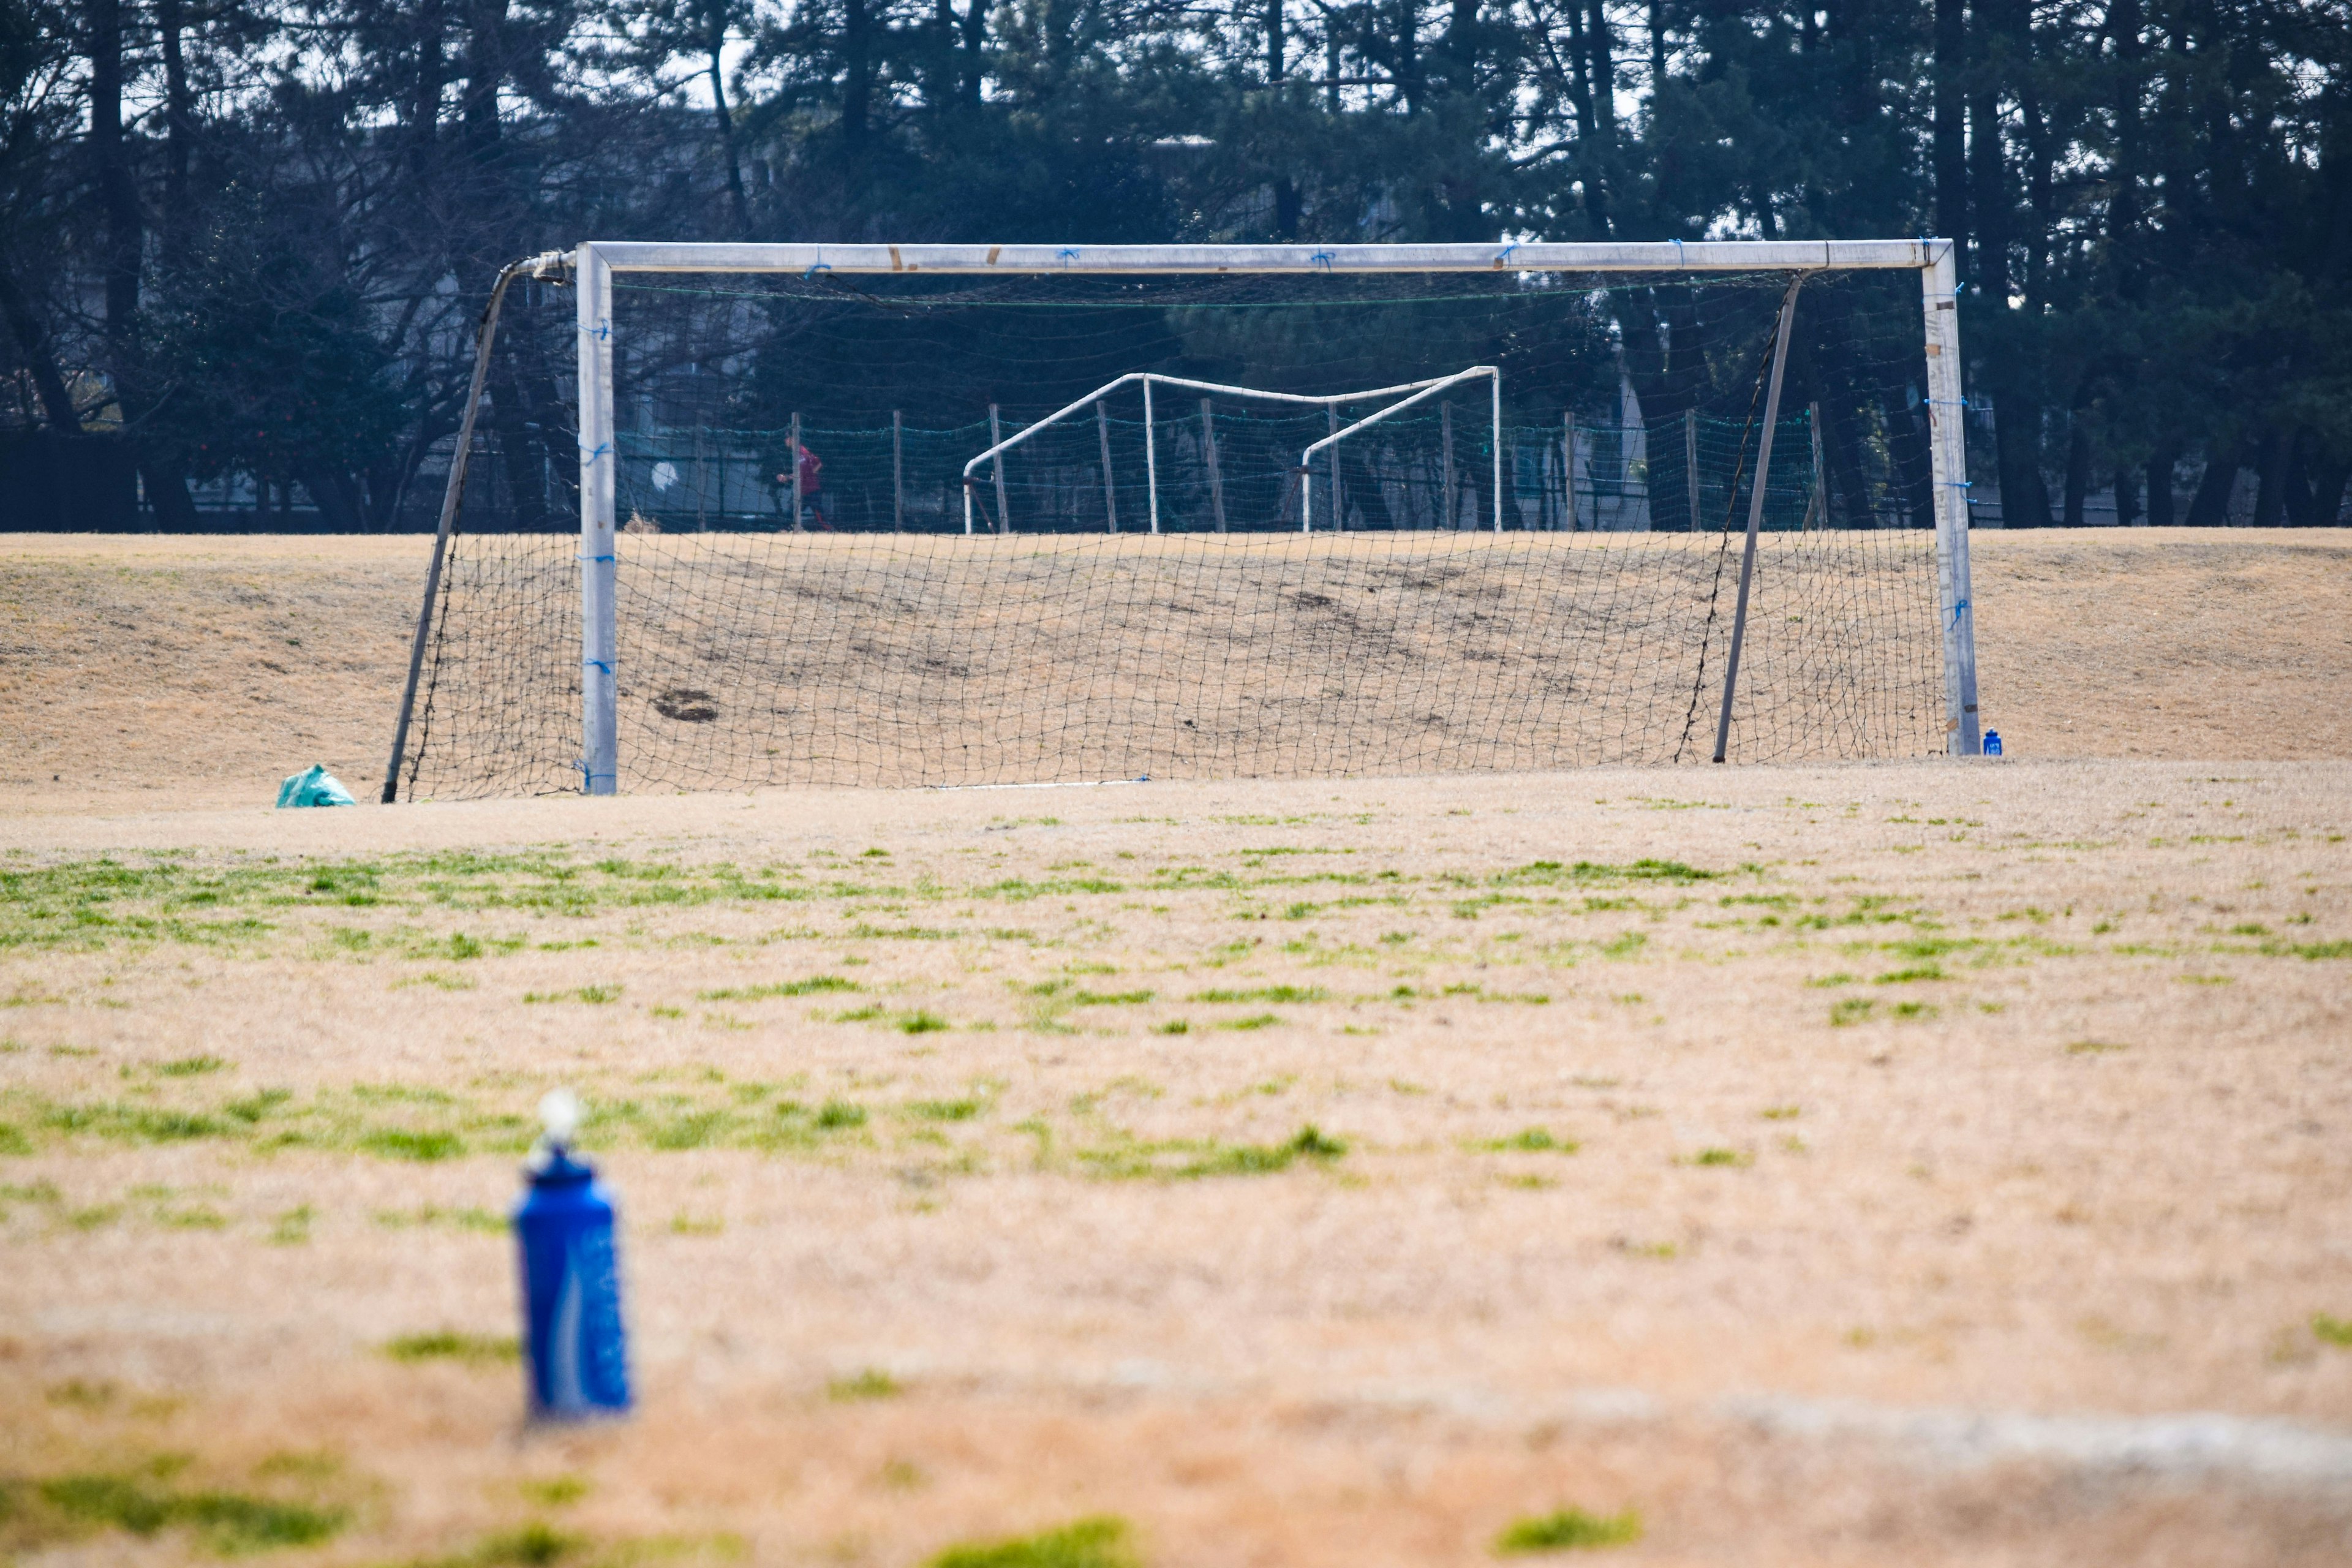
column 1666, row 256
column 593, row 264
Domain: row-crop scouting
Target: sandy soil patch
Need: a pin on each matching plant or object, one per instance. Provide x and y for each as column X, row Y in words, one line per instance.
column 1918, row 1163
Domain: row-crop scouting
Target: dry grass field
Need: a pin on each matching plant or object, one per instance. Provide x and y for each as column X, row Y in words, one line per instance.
column 1904, row 1164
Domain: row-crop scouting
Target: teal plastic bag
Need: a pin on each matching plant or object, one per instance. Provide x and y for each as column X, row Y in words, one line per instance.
column 314, row 786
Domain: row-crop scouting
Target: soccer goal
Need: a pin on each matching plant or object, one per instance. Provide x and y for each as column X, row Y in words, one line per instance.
column 898, row 515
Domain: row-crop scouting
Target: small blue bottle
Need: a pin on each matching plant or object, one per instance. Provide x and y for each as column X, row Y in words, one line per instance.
column 1992, row 742
column 573, row 1335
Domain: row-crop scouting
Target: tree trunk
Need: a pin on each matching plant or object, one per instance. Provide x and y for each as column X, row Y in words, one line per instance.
column 2159, row 486
column 32, row 335
column 2209, row 507
column 2270, row 477
column 2127, row 498
column 179, row 130
column 1951, row 132
column 715, row 38
column 2078, row 462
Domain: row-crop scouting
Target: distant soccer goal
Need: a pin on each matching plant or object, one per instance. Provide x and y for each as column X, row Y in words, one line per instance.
column 888, row 515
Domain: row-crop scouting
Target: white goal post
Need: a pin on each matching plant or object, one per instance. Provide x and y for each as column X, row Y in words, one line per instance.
column 1419, row 391
column 594, row 263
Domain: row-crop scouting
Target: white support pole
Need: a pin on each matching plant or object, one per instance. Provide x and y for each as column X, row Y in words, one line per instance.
column 599, row 683
column 1947, row 465
column 1150, row 457
column 1494, row 387
column 1110, row 494
column 897, row 472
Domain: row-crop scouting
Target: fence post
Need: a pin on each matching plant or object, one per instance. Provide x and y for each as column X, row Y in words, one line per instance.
column 794, row 457
column 1445, row 468
column 1110, row 494
column 1209, row 449
column 1568, row 479
column 995, row 435
column 1339, row 512
column 1690, row 462
column 897, row 472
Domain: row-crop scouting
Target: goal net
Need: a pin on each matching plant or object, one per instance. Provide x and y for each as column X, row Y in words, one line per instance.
column 750, row 515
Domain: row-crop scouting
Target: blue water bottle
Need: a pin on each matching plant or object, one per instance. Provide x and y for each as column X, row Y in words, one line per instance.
column 570, row 1278
column 1992, row 742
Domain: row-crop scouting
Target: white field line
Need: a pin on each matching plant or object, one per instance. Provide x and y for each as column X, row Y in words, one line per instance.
column 2266, row 1452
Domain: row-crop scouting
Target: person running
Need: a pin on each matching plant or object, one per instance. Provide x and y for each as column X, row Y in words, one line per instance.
column 812, row 473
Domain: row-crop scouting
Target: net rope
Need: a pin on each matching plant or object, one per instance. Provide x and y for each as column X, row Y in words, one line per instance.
column 848, row 631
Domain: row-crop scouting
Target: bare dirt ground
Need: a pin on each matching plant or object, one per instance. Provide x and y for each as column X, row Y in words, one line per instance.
column 1907, row 1164
column 137, row 671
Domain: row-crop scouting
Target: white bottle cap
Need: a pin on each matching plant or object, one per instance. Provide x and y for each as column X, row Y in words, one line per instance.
column 559, row 1113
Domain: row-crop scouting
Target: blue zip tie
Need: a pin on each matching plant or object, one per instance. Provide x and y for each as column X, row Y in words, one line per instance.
column 1961, row 484
column 596, row 663
column 1959, row 610
column 1947, row 401
column 601, row 450
column 1323, row 259
column 601, row 330
column 1067, row 253
column 815, row 267
column 1505, row 257
column 1680, row 259
column 596, row 558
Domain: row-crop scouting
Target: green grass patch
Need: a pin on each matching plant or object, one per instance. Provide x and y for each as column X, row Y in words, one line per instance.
column 943, row 1109
column 230, row 1523
column 425, row 1148
column 1194, row 1159
column 1102, row 1541
column 920, row 1023
column 448, row 1344
column 191, row 1067
column 1850, row 1011
column 1255, row 1021
column 870, row 1382
column 1569, row 1529
column 816, row 984
column 1172, row 1027
column 1729, row 1158
column 1265, row 993
column 1109, row 998
column 1529, row 1141
column 2332, row 1331
column 593, row 996
column 479, row 1221
column 2092, row 1048
column 555, row 1492
column 1553, row 873
column 1908, row 976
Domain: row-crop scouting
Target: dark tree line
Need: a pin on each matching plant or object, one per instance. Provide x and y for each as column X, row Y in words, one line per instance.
column 250, row 237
